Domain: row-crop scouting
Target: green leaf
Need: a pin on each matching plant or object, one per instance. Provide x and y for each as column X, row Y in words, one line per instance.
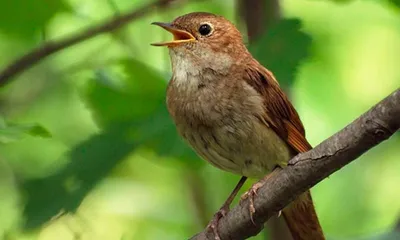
column 132, row 113
column 37, row 130
column 90, row 161
column 137, row 100
column 282, row 48
column 10, row 132
column 163, row 139
column 395, row 3
column 125, row 98
column 24, row 18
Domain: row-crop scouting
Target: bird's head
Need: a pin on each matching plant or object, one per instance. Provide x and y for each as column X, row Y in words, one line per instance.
column 203, row 40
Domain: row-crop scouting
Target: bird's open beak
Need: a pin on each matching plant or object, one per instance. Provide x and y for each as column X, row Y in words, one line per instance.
column 180, row 36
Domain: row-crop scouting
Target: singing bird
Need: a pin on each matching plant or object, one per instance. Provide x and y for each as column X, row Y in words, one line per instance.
column 232, row 112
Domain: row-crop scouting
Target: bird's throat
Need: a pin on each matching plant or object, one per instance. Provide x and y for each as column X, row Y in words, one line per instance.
column 191, row 73
column 186, row 72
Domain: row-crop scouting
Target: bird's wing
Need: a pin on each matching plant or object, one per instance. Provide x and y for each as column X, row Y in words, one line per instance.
column 280, row 115
column 279, row 112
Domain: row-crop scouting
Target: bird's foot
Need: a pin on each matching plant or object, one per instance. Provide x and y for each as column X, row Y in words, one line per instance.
column 213, row 225
column 250, row 194
column 279, row 213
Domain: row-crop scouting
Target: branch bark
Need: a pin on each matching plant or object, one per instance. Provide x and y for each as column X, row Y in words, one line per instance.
column 51, row 47
column 307, row 169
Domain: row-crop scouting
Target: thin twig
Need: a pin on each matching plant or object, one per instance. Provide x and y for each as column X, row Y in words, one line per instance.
column 307, row 169
column 51, row 47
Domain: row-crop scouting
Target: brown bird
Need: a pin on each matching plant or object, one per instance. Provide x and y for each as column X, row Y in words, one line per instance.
column 232, row 112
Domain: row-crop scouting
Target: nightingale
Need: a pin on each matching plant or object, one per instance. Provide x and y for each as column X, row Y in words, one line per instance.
column 232, row 112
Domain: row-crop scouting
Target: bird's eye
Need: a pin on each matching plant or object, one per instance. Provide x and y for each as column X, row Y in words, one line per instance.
column 205, row 29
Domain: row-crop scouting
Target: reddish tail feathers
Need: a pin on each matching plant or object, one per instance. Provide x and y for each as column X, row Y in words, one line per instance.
column 302, row 219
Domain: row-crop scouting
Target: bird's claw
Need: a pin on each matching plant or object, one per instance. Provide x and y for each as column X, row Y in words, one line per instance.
column 250, row 195
column 213, row 225
column 279, row 213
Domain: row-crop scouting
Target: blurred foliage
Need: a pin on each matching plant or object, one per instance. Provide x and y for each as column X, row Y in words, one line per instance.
column 395, row 2
column 276, row 50
column 88, row 150
column 14, row 132
column 127, row 123
column 28, row 17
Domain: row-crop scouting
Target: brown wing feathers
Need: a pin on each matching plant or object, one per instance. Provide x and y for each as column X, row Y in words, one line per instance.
column 279, row 112
column 281, row 116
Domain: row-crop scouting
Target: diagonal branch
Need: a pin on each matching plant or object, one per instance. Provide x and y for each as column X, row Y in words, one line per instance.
column 307, row 169
column 37, row 54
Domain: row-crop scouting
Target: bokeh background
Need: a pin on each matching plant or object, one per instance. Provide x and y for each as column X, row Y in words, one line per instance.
column 88, row 151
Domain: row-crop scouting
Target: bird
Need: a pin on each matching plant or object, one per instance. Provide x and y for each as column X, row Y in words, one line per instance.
column 231, row 110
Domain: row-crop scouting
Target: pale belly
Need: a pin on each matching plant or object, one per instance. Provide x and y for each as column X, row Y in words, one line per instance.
column 248, row 148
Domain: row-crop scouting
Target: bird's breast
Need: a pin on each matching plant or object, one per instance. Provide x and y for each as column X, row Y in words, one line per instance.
column 222, row 124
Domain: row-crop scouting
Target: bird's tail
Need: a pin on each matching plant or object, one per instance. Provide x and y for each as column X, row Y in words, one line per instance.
column 302, row 220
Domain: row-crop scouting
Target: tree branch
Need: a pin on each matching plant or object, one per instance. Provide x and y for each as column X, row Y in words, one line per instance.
column 307, row 169
column 47, row 49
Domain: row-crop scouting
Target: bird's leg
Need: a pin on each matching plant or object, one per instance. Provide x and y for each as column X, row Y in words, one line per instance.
column 213, row 225
column 253, row 192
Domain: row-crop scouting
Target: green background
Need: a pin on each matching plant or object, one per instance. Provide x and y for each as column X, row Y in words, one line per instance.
column 85, row 132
